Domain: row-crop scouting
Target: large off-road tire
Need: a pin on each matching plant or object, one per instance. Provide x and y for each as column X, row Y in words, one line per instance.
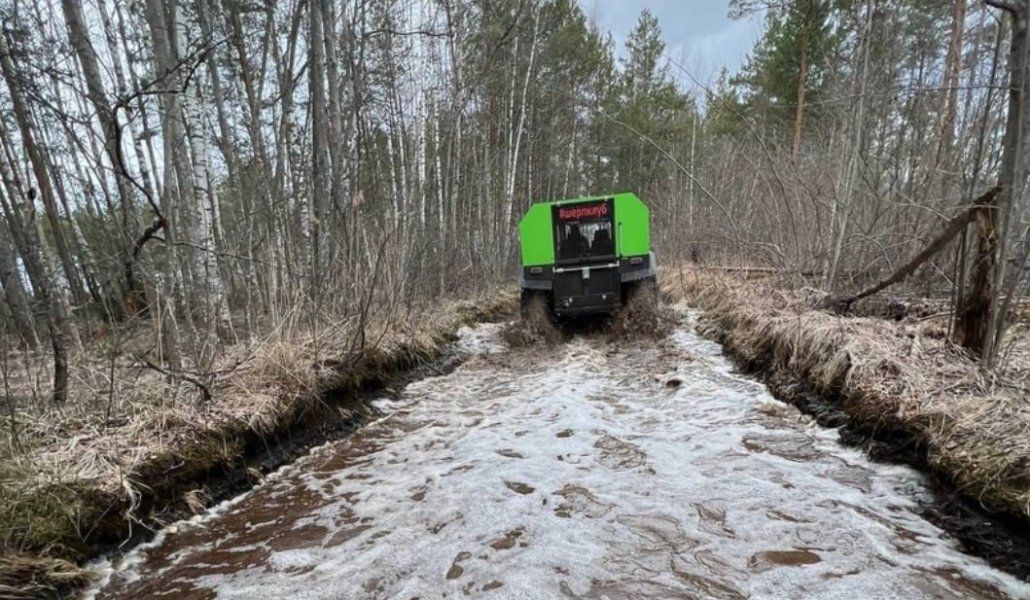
column 536, row 323
column 641, row 314
column 642, row 293
column 532, row 303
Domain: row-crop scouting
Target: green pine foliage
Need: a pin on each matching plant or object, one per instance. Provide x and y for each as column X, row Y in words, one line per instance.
column 650, row 115
column 769, row 82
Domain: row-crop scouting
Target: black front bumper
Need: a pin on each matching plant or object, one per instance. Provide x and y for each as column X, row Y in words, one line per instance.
column 587, row 288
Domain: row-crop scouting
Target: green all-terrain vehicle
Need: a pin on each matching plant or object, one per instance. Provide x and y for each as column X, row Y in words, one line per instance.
column 586, row 256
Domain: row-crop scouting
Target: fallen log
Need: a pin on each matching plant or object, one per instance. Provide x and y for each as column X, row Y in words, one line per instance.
column 763, row 270
column 953, row 227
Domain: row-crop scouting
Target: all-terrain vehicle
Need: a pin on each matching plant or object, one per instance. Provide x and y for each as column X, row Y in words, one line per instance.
column 586, row 256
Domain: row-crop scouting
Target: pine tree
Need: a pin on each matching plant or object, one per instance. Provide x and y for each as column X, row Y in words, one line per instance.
column 786, row 74
column 724, row 108
column 653, row 113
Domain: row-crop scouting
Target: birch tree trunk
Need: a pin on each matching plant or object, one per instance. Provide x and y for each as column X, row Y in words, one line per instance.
column 176, row 276
column 27, row 240
column 201, row 209
column 337, row 138
column 843, row 213
column 319, row 139
column 39, row 170
column 15, row 296
column 509, row 191
column 80, row 42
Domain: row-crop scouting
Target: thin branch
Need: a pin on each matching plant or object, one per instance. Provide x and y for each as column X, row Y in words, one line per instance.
column 205, row 391
column 1004, row 5
column 684, row 170
column 438, row 34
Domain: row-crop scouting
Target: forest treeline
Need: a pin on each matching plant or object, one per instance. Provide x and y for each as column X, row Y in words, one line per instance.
column 203, row 170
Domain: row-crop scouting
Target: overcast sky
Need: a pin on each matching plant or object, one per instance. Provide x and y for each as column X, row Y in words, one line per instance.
column 698, row 33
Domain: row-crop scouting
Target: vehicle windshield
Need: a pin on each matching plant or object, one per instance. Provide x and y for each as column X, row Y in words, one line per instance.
column 584, row 231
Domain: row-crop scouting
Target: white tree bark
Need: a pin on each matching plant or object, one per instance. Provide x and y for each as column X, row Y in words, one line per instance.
column 509, row 191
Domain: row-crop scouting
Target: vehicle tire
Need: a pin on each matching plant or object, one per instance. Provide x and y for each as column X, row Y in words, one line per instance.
column 537, row 324
column 643, row 292
column 533, row 305
column 641, row 314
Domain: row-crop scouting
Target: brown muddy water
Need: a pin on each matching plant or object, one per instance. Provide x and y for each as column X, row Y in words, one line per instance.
column 589, row 470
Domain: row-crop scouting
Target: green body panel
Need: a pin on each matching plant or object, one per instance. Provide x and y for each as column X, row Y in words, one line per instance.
column 632, row 223
column 535, row 236
column 633, row 227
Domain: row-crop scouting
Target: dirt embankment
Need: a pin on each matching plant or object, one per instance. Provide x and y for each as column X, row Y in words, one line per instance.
column 889, row 377
column 98, row 483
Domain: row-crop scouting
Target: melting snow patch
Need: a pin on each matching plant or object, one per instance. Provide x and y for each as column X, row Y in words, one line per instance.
column 483, row 338
column 584, row 472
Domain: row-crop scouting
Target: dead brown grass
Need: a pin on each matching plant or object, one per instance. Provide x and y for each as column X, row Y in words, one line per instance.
column 76, row 478
column 898, row 374
column 30, row 577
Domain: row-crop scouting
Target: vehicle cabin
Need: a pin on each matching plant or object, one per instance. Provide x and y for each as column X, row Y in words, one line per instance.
column 586, row 255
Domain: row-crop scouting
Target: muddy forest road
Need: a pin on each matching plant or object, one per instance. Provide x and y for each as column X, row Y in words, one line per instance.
column 590, row 470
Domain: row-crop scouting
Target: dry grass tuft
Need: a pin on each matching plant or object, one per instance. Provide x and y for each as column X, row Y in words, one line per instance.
column 901, row 374
column 30, row 577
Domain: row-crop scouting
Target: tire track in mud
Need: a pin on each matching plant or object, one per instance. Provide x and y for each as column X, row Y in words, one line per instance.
column 586, row 470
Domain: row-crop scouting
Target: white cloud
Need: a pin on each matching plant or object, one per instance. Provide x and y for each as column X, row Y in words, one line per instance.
column 698, row 34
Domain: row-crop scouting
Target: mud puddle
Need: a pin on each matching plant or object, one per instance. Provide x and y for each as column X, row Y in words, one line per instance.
column 587, row 470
